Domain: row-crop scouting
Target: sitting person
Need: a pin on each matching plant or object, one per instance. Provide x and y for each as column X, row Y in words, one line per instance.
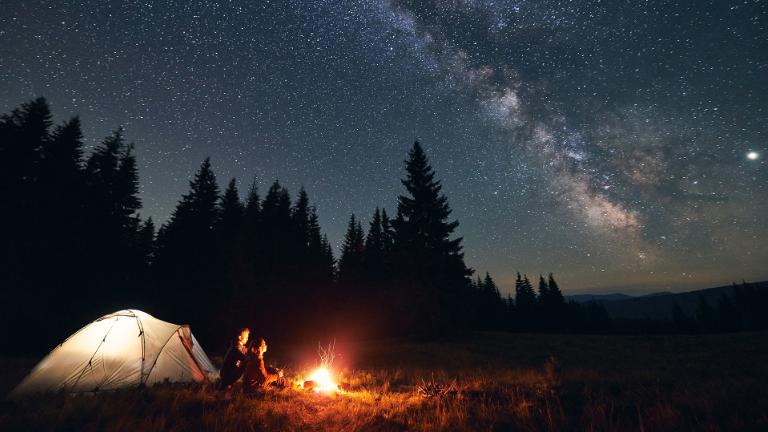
column 235, row 360
column 256, row 374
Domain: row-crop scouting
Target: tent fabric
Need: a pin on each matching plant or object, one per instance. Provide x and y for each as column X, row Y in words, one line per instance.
column 127, row 348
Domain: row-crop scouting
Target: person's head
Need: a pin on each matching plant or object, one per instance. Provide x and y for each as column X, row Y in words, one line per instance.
column 242, row 337
column 261, row 345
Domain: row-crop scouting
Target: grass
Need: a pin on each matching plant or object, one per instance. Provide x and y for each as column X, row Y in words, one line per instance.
column 473, row 382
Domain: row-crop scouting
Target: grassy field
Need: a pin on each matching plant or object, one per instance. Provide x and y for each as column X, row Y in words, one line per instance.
column 473, row 382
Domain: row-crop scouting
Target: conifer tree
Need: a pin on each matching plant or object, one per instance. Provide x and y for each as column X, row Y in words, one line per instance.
column 328, row 261
column 127, row 185
column 146, row 238
column 275, row 233
column 229, row 225
column 544, row 296
column 231, row 208
column 23, row 134
column 112, row 183
column 186, row 246
column 555, row 294
column 493, row 307
column 61, row 162
column 300, row 215
column 426, row 253
column 388, row 243
column 61, row 200
column 375, row 267
column 250, row 245
column 525, row 301
column 320, row 271
column 525, row 298
column 351, row 262
column 477, row 284
column 253, row 203
column 490, row 287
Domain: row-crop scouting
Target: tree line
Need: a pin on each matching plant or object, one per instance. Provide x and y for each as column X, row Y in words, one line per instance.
column 738, row 308
column 75, row 246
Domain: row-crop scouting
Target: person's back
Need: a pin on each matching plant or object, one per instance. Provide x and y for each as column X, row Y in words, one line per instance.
column 256, row 374
column 234, row 360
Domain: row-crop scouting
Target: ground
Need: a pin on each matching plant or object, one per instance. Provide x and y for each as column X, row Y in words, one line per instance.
column 471, row 382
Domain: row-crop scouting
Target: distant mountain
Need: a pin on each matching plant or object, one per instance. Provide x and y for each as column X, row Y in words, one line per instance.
column 662, row 293
column 584, row 298
column 658, row 306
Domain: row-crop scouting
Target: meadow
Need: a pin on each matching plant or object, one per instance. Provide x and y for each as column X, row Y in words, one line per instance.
column 486, row 381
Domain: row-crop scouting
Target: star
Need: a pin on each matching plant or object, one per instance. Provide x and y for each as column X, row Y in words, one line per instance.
column 544, row 129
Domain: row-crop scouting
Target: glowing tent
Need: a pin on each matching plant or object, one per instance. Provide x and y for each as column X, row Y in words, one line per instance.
column 127, row 348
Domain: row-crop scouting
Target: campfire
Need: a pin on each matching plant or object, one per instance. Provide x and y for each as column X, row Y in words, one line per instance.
column 321, row 380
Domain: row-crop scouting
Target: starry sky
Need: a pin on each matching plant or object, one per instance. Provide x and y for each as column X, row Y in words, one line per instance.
column 619, row 144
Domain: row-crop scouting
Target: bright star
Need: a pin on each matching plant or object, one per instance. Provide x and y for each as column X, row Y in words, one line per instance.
column 753, row 155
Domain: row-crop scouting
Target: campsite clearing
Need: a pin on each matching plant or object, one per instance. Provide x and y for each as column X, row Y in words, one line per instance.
column 492, row 382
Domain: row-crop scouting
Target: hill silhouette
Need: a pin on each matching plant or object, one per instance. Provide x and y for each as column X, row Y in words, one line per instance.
column 660, row 306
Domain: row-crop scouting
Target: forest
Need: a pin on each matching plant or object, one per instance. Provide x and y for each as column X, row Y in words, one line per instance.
column 75, row 246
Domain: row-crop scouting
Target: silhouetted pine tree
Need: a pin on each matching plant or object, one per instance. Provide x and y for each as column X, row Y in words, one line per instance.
column 23, row 134
column 525, row 298
column 248, row 265
column 555, row 294
column 61, row 203
column 525, row 301
column 388, row 244
column 327, row 259
column 28, row 287
column 352, row 260
column 253, row 204
column 551, row 302
column 61, row 175
column 229, row 226
column 275, row 232
column 300, row 215
column 425, row 253
column 544, row 298
column 186, row 261
column 321, row 264
column 232, row 211
column 146, row 242
column 375, row 266
column 493, row 307
column 112, row 188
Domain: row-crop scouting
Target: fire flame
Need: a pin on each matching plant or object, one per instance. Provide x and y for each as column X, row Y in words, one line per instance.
column 323, row 380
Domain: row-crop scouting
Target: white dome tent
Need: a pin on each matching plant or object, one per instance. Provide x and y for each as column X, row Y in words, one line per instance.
column 128, row 348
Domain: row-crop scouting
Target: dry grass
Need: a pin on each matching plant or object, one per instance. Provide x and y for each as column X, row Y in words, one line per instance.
column 476, row 382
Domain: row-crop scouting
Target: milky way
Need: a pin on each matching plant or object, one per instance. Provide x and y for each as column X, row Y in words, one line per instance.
column 618, row 144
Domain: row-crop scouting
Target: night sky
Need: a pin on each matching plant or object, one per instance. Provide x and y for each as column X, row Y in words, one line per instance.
column 619, row 144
